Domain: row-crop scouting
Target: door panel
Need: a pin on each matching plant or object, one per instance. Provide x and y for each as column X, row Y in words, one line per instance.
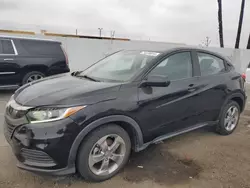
column 212, row 86
column 8, row 63
column 212, row 93
column 8, row 70
column 168, row 109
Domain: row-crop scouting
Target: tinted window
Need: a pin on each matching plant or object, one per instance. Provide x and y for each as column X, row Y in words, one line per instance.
column 210, row 64
column 35, row 47
column 121, row 66
column 6, row 47
column 175, row 67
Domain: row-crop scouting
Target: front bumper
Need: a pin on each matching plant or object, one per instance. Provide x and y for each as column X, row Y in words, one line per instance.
column 42, row 147
column 54, row 172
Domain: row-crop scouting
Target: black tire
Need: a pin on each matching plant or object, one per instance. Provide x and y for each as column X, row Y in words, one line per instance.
column 88, row 143
column 220, row 128
column 29, row 74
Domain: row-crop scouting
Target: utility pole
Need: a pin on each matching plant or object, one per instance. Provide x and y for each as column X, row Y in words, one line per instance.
column 112, row 34
column 100, row 31
column 206, row 42
column 76, row 31
column 237, row 43
column 248, row 43
column 220, row 21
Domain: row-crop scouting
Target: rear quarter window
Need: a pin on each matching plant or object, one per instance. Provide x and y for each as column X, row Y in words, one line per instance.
column 6, row 47
column 210, row 64
column 43, row 48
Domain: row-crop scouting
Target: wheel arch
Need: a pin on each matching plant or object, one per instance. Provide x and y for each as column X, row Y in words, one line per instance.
column 237, row 97
column 130, row 125
column 40, row 68
column 240, row 102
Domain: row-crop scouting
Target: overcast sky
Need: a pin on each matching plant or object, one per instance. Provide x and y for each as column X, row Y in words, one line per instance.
column 179, row 21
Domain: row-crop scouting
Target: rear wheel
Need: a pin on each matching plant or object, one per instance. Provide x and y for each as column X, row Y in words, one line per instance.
column 229, row 118
column 103, row 153
column 32, row 76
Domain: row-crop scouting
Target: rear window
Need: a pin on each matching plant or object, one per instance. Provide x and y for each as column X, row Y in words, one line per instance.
column 6, row 47
column 210, row 65
column 42, row 47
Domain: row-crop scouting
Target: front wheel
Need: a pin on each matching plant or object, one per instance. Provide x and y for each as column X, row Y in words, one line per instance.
column 229, row 118
column 103, row 153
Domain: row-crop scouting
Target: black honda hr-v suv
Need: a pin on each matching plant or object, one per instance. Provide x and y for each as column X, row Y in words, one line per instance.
column 89, row 121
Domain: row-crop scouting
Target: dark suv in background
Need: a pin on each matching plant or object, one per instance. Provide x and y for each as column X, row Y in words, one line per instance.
column 23, row 60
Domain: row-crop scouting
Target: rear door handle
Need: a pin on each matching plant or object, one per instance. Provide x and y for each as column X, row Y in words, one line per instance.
column 191, row 87
column 8, row 59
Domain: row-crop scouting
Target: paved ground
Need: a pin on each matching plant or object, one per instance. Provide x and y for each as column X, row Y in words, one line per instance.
column 197, row 159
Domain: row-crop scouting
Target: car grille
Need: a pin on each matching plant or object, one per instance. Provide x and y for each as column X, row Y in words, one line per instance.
column 37, row 158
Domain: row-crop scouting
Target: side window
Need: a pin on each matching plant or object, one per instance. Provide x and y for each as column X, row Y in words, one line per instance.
column 210, row 64
column 35, row 47
column 6, row 47
column 175, row 67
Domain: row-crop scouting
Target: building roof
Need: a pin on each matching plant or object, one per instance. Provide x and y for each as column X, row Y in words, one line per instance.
column 27, row 38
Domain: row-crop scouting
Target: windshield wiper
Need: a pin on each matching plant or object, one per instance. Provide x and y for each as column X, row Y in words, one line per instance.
column 90, row 78
column 75, row 73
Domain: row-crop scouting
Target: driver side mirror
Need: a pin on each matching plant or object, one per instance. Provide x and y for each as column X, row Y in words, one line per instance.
column 155, row 81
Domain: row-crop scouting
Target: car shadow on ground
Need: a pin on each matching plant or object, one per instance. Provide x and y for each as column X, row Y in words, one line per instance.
column 157, row 164
column 160, row 166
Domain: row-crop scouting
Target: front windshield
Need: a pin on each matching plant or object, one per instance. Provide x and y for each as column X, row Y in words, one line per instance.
column 121, row 66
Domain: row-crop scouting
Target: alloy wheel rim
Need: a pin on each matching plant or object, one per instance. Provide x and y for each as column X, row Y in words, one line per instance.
column 107, row 155
column 231, row 118
column 34, row 77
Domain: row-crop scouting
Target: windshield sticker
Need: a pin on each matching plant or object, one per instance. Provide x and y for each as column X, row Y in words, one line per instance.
column 150, row 53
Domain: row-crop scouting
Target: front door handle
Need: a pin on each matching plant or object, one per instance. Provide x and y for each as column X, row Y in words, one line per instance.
column 191, row 85
column 8, row 59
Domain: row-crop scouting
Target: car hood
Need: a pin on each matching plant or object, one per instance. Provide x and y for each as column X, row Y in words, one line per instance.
column 65, row 90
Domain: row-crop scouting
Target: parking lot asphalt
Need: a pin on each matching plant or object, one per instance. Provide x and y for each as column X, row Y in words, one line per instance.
column 196, row 159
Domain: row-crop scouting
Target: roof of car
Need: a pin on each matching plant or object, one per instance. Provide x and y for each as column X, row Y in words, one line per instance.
column 26, row 38
column 182, row 48
column 173, row 49
column 198, row 49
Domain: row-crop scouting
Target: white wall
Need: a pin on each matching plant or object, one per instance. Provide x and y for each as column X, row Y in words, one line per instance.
column 84, row 52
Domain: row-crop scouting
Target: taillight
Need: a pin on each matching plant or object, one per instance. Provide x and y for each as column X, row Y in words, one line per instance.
column 243, row 75
column 66, row 56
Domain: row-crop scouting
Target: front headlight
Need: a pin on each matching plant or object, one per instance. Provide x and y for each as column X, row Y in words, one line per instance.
column 40, row 115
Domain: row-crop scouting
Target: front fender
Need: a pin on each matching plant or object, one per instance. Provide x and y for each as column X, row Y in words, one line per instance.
column 99, row 122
